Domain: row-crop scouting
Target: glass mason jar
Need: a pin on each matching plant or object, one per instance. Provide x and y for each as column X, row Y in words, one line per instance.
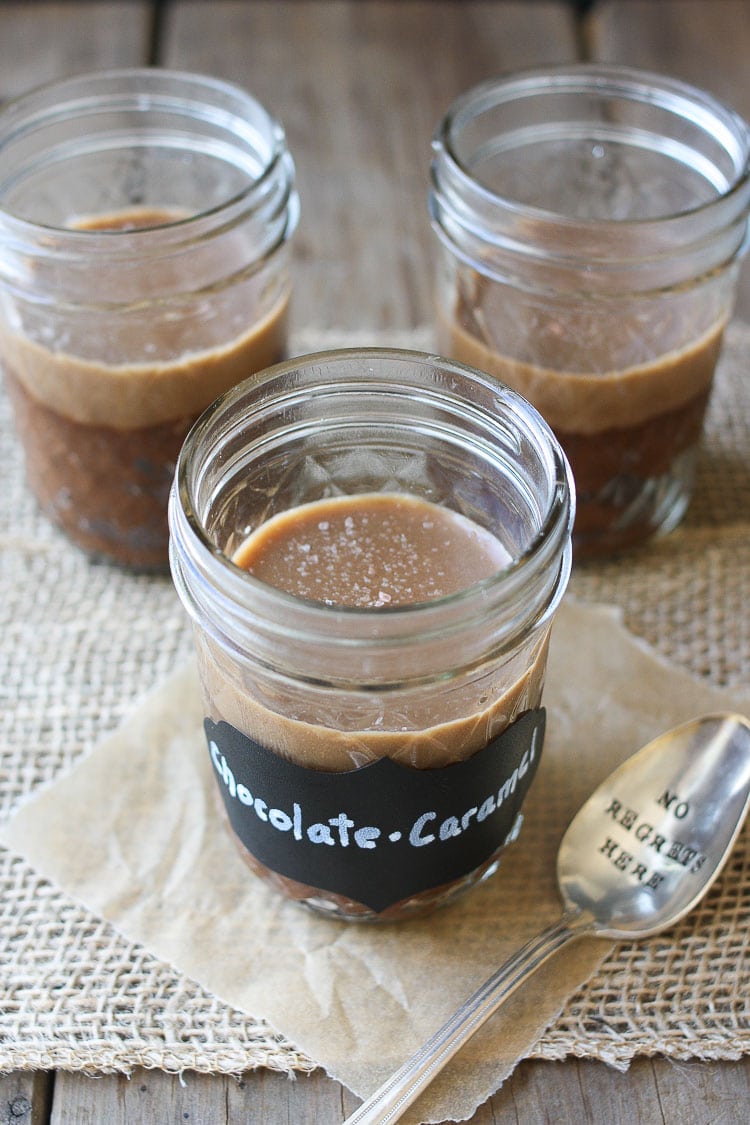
column 590, row 223
column 372, row 759
column 145, row 218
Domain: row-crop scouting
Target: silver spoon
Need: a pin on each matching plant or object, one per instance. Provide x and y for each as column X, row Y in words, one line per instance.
column 639, row 854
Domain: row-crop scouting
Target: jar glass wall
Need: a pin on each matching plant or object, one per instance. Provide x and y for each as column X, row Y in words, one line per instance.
column 145, row 218
column 335, row 689
column 590, row 222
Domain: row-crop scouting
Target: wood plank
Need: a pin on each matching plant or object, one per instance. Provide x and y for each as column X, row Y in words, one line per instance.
column 676, row 1093
column 44, row 41
column 360, row 88
column 707, row 44
column 25, row 1098
column 261, row 1097
column 652, row 1090
column 716, row 1092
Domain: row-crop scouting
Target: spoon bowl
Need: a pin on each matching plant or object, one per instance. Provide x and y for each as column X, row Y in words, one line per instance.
column 648, row 843
column 639, row 854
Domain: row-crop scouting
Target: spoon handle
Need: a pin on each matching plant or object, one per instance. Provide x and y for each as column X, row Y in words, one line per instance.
column 398, row 1092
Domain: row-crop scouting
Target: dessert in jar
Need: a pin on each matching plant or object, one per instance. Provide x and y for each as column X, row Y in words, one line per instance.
column 145, row 219
column 590, row 222
column 372, row 545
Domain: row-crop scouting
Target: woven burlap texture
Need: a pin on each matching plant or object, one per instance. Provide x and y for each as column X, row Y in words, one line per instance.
column 79, row 643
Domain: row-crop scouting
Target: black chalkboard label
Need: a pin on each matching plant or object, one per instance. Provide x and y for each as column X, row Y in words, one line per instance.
column 383, row 832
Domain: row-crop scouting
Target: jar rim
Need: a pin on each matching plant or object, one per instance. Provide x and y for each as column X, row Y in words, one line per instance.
column 205, row 557
column 144, row 88
column 635, row 84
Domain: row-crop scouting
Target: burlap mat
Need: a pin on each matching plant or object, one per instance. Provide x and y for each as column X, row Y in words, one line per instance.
column 80, row 643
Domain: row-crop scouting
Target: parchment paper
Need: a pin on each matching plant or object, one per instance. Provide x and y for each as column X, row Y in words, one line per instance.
column 132, row 832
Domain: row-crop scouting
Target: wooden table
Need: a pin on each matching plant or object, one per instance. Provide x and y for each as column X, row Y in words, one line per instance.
column 360, row 85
